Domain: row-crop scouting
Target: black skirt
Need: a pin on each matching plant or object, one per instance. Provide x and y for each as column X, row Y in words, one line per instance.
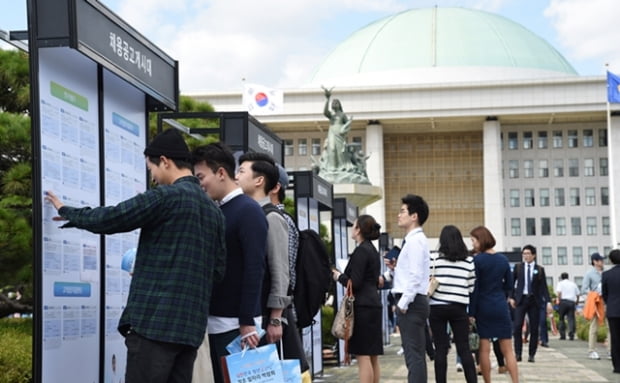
column 367, row 335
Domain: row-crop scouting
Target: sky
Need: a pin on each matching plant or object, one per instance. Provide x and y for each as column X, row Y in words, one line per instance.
column 220, row 44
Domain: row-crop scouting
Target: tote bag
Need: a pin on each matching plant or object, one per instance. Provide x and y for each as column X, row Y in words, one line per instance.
column 257, row 365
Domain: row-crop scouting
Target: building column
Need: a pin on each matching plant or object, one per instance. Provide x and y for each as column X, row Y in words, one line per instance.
column 374, row 169
column 493, row 188
column 613, row 140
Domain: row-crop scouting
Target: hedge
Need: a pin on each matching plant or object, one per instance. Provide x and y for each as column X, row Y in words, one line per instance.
column 16, row 350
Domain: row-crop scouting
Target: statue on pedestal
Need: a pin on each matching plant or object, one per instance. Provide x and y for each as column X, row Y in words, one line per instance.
column 340, row 162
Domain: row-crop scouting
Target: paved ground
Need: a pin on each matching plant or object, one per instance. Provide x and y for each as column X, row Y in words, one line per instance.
column 562, row 361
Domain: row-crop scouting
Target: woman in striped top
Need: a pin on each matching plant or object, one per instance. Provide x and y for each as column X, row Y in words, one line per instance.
column 454, row 269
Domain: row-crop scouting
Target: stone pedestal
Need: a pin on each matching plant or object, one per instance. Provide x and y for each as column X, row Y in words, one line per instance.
column 360, row 195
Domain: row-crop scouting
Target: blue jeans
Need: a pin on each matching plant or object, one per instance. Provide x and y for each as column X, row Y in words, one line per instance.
column 413, row 338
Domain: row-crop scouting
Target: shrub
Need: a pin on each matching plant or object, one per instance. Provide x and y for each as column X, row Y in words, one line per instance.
column 583, row 328
column 16, row 350
column 327, row 318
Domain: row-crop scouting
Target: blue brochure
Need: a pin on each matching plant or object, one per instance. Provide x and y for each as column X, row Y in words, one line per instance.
column 127, row 262
column 235, row 346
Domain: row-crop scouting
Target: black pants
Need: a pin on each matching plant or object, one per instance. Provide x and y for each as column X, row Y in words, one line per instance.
column 614, row 338
column 158, row 362
column 456, row 315
column 527, row 306
column 217, row 347
column 566, row 311
column 292, row 345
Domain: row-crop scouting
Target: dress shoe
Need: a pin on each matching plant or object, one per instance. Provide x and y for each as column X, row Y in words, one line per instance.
column 531, row 359
column 562, row 338
column 518, row 358
column 544, row 344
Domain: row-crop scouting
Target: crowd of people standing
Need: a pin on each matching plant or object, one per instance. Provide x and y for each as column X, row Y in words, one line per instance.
column 215, row 263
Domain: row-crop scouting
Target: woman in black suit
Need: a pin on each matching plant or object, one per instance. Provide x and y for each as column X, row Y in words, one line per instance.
column 363, row 269
column 610, row 282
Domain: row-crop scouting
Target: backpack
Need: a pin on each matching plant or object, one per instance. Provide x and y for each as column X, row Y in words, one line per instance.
column 313, row 271
column 314, row 277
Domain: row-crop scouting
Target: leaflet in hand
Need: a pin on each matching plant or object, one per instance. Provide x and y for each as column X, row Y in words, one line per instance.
column 235, row 346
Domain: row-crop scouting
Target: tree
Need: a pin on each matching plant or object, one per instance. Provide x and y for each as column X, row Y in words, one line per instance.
column 14, row 81
column 15, row 185
column 188, row 104
column 16, row 251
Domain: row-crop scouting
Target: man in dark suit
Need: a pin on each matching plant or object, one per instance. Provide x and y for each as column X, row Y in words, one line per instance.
column 528, row 296
column 610, row 282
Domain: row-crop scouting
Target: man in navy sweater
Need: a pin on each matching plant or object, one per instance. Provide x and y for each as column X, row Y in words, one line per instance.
column 257, row 176
column 235, row 302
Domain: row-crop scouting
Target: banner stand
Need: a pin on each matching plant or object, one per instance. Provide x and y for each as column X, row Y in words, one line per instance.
column 93, row 81
column 312, row 195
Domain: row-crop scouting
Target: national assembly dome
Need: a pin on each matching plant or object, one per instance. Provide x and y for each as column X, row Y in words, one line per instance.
column 440, row 45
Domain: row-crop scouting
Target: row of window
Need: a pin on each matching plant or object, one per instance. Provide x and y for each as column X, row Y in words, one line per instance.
column 559, row 198
column 558, row 168
column 578, row 257
column 557, row 139
column 560, row 226
column 302, row 146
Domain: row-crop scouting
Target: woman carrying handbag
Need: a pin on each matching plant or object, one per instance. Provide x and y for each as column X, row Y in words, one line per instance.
column 453, row 269
column 363, row 270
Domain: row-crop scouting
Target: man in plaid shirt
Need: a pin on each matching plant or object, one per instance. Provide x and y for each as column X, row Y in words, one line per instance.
column 181, row 252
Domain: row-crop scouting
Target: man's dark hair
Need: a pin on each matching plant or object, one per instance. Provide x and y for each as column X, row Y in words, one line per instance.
column 281, row 194
column 614, row 256
column 262, row 165
column 416, row 204
column 531, row 248
column 215, row 155
column 180, row 164
column 564, row 276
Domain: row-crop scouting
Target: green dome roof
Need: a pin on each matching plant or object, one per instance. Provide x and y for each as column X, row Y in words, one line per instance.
column 440, row 45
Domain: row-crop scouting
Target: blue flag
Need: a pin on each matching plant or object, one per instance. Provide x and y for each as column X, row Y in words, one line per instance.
column 613, row 87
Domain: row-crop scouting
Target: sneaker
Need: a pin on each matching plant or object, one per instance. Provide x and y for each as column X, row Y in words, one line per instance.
column 594, row 355
column 400, row 351
column 459, row 367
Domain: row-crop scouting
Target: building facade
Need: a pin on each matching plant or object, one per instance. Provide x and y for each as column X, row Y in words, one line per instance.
column 515, row 141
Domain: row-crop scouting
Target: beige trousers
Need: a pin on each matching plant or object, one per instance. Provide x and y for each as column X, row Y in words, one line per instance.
column 203, row 372
column 592, row 337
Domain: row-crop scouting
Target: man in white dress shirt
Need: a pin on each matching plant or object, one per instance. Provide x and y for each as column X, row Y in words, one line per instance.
column 411, row 275
column 567, row 300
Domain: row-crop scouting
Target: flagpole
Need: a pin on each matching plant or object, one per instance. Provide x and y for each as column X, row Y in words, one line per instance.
column 610, row 161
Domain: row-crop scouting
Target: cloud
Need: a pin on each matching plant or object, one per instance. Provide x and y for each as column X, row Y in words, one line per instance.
column 279, row 43
column 219, row 42
column 587, row 29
